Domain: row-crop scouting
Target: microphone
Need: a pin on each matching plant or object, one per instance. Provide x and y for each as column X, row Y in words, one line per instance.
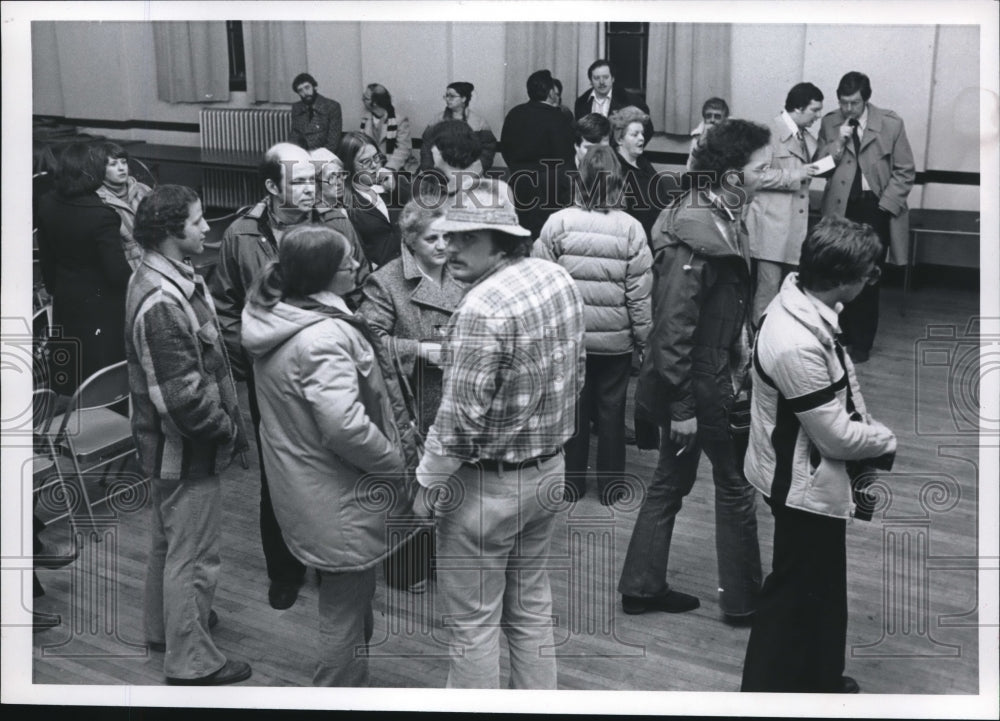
column 853, row 122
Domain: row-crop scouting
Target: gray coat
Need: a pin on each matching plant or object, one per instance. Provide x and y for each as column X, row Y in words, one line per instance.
column 403, row 308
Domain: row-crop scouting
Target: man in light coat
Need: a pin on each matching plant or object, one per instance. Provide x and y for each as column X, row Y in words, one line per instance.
column 870, row 184
column 777, row 219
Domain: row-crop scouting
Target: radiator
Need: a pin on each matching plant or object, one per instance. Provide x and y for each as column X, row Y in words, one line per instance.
column 245, row 130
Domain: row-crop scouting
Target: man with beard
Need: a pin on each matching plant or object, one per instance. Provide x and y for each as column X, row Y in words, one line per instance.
column 316, row 120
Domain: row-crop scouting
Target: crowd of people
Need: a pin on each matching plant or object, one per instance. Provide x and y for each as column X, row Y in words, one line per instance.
column 455, row 337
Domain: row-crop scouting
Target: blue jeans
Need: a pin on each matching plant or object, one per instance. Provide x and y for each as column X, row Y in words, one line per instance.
column 644, row 573
column 182, row 574
column 491, row 553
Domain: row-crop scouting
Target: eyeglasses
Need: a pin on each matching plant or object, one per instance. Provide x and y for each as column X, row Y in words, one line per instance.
column 372, row 161
column 451, row 97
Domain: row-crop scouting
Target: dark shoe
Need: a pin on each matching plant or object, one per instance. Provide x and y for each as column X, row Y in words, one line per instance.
column 231, row 672
column 670, row 602
column 44, row 621
column 282, row 595
column 629, row 436
column 160, row 646
column 52, row 557
column 611, row 495
column 858, row 355
column 849, row 685
column 744, row 621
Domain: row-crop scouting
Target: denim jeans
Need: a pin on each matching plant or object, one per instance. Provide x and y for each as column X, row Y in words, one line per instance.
column 346, row 622
column 491, row 552
column 182, row 574
column 644, row 573
column 605, row 390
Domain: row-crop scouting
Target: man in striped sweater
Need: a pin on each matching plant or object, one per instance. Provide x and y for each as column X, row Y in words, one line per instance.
column 187, row 427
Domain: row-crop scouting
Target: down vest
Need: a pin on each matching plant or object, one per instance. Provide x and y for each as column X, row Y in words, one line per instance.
column 608, row 257
column 800, row 430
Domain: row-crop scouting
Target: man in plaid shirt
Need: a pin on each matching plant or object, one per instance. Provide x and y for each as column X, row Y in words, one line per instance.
column 513, row 368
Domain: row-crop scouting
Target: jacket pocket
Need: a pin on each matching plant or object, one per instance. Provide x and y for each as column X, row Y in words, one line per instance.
column 212, row 357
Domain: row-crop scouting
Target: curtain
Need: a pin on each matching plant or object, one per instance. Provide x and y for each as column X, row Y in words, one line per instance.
column 275, row 53
column 688, row 63
column 567, row 49
column 192, row 61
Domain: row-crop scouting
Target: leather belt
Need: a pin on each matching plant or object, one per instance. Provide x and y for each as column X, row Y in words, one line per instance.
column 488, row 464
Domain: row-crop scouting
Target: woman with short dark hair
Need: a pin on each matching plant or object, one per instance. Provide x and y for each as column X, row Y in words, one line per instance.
column 334, row 432
column 122, row 193
column 84, row 267
column 606, row 252
column 457, row 97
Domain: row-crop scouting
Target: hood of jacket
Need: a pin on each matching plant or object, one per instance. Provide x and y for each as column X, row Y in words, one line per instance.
column 264, row 329
column 806, row 311
column 691, row 222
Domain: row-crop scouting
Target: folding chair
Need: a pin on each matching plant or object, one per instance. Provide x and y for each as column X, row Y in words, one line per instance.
column 89, row 434
column 45, row 469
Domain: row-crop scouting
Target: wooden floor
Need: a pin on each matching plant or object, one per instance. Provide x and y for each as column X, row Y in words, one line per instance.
column 913, row 592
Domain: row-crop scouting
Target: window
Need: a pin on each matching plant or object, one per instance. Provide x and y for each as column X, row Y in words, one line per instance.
column 627, row 47
column 237, row 56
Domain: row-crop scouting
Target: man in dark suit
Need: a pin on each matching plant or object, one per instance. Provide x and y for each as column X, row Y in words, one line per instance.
column 604, row 97
column 870, row 184
column 537, row 145
column 317, row 121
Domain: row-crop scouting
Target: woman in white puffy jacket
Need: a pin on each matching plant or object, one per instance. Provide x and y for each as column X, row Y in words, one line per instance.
column 606, row 251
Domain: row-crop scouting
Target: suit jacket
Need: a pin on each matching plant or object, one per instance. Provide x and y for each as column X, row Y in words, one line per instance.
column 886, row 161
column 323, row 130
column 778, row 217
column 619, row 99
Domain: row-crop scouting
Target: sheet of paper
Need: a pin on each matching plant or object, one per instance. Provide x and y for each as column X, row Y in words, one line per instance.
column 824, row 164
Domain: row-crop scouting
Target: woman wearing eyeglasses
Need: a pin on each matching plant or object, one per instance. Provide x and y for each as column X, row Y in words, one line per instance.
column 456, row 107
column 334, row 431
column 367, row 199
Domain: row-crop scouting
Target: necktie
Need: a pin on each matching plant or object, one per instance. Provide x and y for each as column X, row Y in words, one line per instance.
column 856, row 183
column 805, row 146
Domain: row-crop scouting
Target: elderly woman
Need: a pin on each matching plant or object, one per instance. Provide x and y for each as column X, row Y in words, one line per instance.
column 646, row 191
column 456, row 107
column 391, row 132
column 83, row 265
column 409, row 301
column 367, row 199
column 606, row 252
column 331, row 416
column 122, row 193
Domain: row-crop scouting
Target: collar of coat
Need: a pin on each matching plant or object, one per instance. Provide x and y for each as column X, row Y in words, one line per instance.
column 180, row 274
column 691, row 222
column 821, row 320
column 426, row 292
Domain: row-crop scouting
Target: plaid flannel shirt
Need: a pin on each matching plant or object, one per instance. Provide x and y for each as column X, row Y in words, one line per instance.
column 514, row 363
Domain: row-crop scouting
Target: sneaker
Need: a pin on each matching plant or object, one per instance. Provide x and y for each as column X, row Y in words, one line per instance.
column 670, row 602
column 231, row 672
column 282, row 595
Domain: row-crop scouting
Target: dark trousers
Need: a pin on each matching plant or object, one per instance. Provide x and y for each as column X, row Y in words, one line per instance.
column 799, row 632
column 859, row 319
column 604, row 393
column 282, row 566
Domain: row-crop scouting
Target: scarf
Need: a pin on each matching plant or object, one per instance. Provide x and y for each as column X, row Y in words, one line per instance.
column 125, row 204
column 390, row 130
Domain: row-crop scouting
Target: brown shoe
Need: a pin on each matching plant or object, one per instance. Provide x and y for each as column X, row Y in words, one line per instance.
column 231, row 672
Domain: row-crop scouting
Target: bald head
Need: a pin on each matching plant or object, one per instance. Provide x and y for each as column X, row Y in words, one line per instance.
column 289, row 175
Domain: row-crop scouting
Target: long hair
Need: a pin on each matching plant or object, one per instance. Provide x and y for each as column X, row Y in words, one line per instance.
column 351, row 145
column 308, row 258
column 465, row 91
column 381, row 98
column 599, row 186
column 80, row 169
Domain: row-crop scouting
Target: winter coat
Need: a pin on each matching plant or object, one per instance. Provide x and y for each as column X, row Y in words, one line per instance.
column 701, row 289
column 378, row 129
column 332, row 449
column 86, row 272
column 403, row 307
column 323, row 130
column 608, row 257
column 778, row 217
column 800, row 429
column 126, row 207
column 887, row 163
